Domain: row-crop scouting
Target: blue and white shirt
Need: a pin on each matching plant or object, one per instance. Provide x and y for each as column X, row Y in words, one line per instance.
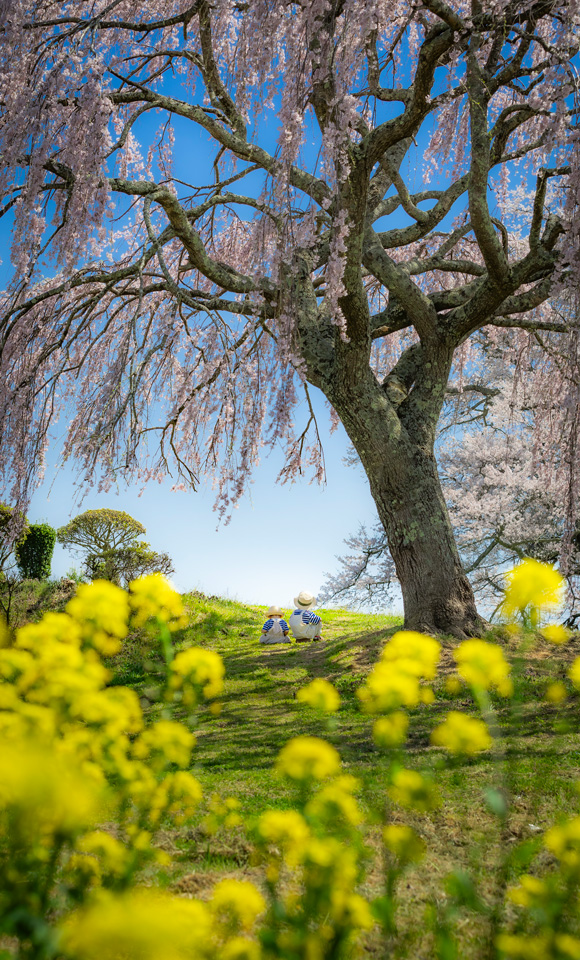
column 270, row 623
column 304, row 624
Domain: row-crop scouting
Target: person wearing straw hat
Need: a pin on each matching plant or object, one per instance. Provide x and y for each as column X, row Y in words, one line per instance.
column 304, row 624
column 275, row 629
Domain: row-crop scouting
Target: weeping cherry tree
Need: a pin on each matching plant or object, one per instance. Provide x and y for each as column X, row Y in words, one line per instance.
column 218, row 207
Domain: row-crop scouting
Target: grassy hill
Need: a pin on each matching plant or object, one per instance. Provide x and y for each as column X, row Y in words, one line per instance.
column 536, row 764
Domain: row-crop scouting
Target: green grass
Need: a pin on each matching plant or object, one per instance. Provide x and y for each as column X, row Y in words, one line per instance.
column 538, row 762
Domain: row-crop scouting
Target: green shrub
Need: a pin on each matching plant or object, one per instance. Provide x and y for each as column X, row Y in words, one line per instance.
column 34, row 551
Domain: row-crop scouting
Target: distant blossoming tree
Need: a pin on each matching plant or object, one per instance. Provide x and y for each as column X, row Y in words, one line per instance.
column 422, row 188
column 505, row 501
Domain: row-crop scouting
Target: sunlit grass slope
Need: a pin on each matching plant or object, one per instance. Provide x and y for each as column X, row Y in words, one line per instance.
column 537, row 763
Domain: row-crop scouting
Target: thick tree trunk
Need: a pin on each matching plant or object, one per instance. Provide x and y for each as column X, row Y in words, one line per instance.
column 404, row 482
column 437, row 595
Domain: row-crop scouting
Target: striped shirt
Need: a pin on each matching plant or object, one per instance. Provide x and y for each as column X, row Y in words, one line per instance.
column 307, row 617
column 270, row 623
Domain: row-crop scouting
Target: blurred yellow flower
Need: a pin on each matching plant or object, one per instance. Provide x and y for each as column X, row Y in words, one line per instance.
column 165, row 742
column 240, row 948
column 140, row 925
column 524, row 948
column 410, row 789
column 5, row 636
column 321, row 695
column 153, row 598
column 426, row 695
column 404, row 843
column 556, row 693
column 531, row 891
column 567, row 945
column 574, row 673
column 306, row 758
column 284, row 828
column 387, row 688
column 112, row 855
column 416, row 653
column 556, row 633
column 237, row 904
column 177, row 796
column 45, row 793
column 350, row 911
column 53, row 627
column 335, row 803
column 564, row 842
column 483, row 665
column 391, row 731
column 533, row 584
column 199, row 673
column 462, row 735
column 222, row 813
column 453, row 686
column 102, row 610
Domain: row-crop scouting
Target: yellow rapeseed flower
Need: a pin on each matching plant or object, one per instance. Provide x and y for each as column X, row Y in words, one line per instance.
column 286, row 829
column 531, row 891
column 116, row 709
column 426, row 695
column 308, row 758
column 53, row 627
column 240, row 948
column 177, row 796
column 199, row 673
column 453, row 686
column 47, row 794
column 329, row 864
column 462, row 735
column 335, row 803
column 556, row 633
column 391, row 731
column 556, row 693
column 387, row 688
column 5, row 636
column 153, row 598
column 410, row 789
column 140, row 925
column 564, row 842
column 404, row 843
column 574, row 673
column 524, row 948
column 533, row 584
column 165, row 742
column 321, row 695
column 483, row 665
column 102, row 611
column 237, row 904
column 112, row 855
column 415, row 653
column 350, row 911
column 567, row 945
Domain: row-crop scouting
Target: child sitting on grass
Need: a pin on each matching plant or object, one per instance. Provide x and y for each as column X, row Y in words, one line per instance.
column 305, row 624
column 275, row 629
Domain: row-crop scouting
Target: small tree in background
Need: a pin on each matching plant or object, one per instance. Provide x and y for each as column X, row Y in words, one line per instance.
column 34, row 551
column 13, row 524
column 127, row 564
column 12, row 527
column 112, row 551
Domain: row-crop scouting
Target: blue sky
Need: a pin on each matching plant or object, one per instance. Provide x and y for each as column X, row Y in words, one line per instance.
column 281, row 539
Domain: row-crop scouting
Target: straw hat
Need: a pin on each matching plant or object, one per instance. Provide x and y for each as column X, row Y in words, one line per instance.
column 304, row 600
column 274, row 612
